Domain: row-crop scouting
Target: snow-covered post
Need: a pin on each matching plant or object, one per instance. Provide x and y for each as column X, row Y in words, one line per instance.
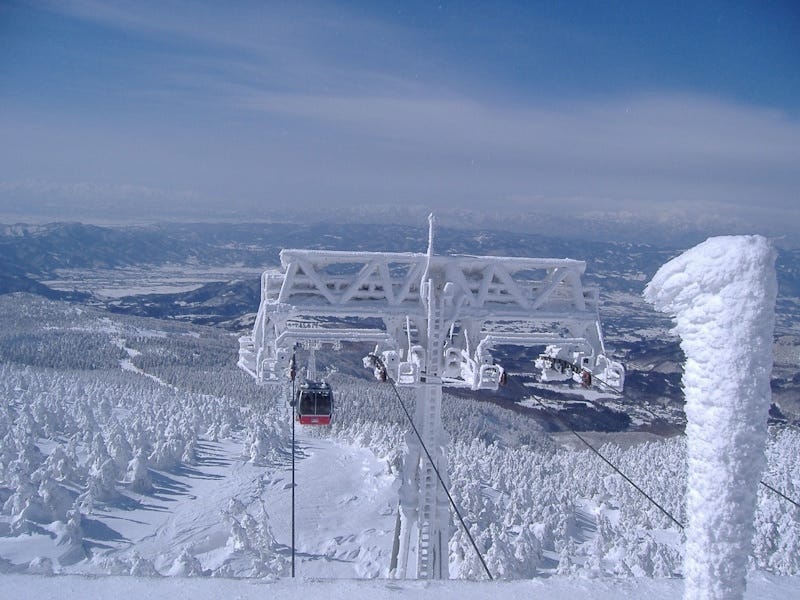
column 722, row 294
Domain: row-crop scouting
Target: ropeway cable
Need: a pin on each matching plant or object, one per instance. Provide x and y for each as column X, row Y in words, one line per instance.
column 679, row 432
column 676, row 430
column 781, row 494
column 378, row 361
column 608, row 462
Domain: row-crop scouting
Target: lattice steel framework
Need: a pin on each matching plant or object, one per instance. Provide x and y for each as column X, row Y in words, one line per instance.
column 434, row 321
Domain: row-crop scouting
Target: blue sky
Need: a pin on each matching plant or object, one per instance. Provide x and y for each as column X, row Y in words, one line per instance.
column 614, row 106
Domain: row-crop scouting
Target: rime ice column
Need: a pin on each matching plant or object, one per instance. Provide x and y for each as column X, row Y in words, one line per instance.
column 722, row 294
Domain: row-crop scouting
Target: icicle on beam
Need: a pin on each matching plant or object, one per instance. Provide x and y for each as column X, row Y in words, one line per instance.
column 722, row 294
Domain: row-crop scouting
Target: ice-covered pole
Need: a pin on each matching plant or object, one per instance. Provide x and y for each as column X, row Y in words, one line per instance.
column 722, row 295
column 424, row 283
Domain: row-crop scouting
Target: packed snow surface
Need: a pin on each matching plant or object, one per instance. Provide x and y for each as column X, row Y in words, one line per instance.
column 763, row 587
column 722, row 294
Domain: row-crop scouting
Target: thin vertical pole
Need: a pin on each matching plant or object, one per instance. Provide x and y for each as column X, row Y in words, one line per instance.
column 291, row 416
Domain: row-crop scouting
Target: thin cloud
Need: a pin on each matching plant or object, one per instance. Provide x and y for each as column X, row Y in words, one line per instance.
column 682, row 141
column 262, row 106
column 281, row 46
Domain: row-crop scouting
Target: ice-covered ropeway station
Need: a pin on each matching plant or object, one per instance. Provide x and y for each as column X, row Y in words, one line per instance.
column 434, row 321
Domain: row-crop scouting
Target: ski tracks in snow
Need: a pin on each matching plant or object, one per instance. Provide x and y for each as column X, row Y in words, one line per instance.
column 345, row 504
column 345, row 510
column 126, row 364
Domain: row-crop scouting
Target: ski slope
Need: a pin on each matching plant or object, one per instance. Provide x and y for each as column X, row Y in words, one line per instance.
column 345, row 503
column 345, row 515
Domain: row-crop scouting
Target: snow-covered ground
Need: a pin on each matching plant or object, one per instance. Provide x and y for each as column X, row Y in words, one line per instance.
column 762, row 587
column 130, row 281
column 135, row 446
column 345, row 503
column 345, row 515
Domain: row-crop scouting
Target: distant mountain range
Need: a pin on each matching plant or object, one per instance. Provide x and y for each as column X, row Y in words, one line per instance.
column 30, row 253
column 679, row 224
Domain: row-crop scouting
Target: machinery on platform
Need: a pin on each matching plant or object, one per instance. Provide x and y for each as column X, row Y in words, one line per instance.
column 434, row 321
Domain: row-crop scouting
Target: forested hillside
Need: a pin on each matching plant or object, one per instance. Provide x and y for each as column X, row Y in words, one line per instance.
column 113, row 426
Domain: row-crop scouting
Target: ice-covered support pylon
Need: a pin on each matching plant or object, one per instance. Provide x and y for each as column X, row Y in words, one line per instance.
column 722, row 294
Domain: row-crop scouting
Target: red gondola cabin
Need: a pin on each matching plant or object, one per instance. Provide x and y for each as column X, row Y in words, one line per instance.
column 314, row 403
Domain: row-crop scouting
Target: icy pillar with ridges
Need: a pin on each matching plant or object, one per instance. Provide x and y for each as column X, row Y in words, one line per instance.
column 722, row 295
column 425, row 527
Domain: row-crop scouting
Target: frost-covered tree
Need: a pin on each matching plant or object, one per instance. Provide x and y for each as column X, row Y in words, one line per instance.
column 138, row 475
column 186, row 565
column 142, row 567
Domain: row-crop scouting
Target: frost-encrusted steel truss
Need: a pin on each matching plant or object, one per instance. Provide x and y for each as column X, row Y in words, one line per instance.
column 434, row 320
column 332, row 297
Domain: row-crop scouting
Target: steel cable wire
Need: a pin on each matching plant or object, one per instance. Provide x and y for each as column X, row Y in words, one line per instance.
column 436, row 470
